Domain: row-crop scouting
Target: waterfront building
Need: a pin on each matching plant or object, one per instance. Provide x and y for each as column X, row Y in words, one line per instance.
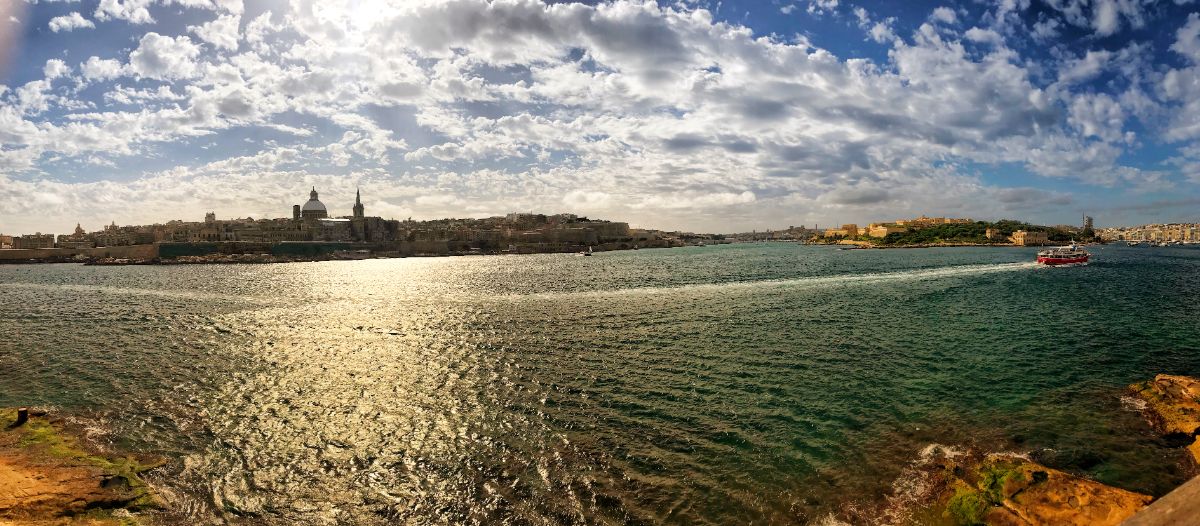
column 846, row 230
column 117, row 236
column 38, row 240
column 6, row 241
column 1184, row 232
column 882, row 230
column 922, row 222
column 1024, row 238
column 77, row 239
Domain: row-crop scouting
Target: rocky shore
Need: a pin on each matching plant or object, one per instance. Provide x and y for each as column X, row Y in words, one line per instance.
column 957, row 486
column 49, row 476
column 1173, row 406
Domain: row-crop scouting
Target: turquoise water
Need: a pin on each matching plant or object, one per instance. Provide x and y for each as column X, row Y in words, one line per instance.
column 765, row 383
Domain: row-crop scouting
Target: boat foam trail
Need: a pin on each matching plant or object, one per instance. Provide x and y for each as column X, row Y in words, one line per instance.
column 925, row 274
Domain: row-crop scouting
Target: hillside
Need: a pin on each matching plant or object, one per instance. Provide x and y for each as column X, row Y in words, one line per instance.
column 972, row 233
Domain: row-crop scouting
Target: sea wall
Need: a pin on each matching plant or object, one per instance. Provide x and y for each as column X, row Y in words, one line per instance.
column 21, row 255
column 16, row 255
column 125, row 252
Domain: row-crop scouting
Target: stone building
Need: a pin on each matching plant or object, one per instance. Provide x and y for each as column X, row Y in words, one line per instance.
column 38, row 240
column 1024, row 238
column 882, row 230
column 846, row 230
column 77, row 239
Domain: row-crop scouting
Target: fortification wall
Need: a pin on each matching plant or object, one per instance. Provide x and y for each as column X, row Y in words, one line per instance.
column 124, row 252
column 70, row 254
column 24, row 254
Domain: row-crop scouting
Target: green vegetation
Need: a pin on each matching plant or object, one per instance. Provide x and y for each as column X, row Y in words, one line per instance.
column 975, row 232
column 44, row 439
column 994, row 476
column 968, row 506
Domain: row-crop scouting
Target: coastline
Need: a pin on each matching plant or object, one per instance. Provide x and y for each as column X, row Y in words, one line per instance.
column 868, row 245
column 963, row 485
column 264, row 254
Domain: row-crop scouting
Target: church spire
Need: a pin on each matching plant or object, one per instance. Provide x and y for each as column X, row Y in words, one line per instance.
column 358, row 206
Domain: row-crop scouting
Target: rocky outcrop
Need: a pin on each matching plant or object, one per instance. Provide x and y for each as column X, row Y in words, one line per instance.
column 955, row 487
column 1173, row 404
column 1022, row 492
column 48, row 477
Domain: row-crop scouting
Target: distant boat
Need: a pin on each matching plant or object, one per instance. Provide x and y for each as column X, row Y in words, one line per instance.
column 588, row 253
column 1068, row 255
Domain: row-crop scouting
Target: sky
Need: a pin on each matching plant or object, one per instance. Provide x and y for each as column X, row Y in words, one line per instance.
column 696, row 115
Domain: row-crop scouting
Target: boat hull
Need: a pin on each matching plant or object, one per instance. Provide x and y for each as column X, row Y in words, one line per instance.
column 1062, row 261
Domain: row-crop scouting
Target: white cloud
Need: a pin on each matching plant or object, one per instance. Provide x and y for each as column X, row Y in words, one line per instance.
column 984, row 36
column 101, row 69
column 821, row 7
column 132, row 11
column 55, row 68
column 1187, row 39
column 881, row 32
column 163, row 57
column 70, row 22
column 1084, row 68
column 1098, row 116
column 1105, row 17
column 221, row 32
column 944, row 15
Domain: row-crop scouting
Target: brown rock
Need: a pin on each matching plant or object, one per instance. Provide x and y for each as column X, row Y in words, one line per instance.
column 1008, row 490
column 1060, row 498
column 1173, row 403
column 47, row 477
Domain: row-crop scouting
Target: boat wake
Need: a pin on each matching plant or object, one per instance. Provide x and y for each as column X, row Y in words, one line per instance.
column 816, row 282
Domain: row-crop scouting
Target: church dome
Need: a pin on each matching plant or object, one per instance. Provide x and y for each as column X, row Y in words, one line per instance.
column 313, row 208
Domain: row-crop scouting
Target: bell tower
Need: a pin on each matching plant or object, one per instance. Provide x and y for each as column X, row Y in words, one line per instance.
column 359, row 213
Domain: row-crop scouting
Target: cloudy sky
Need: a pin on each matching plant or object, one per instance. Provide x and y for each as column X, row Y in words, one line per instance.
column 708, row 116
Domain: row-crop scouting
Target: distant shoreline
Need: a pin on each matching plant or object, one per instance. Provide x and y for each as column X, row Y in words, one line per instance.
column 258, row 258
column 868, row 246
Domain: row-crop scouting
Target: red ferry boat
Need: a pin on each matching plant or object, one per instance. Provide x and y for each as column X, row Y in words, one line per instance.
column 1069, row 255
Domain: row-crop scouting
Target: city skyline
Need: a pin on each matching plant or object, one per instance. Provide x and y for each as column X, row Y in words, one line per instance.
column 706, row 117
